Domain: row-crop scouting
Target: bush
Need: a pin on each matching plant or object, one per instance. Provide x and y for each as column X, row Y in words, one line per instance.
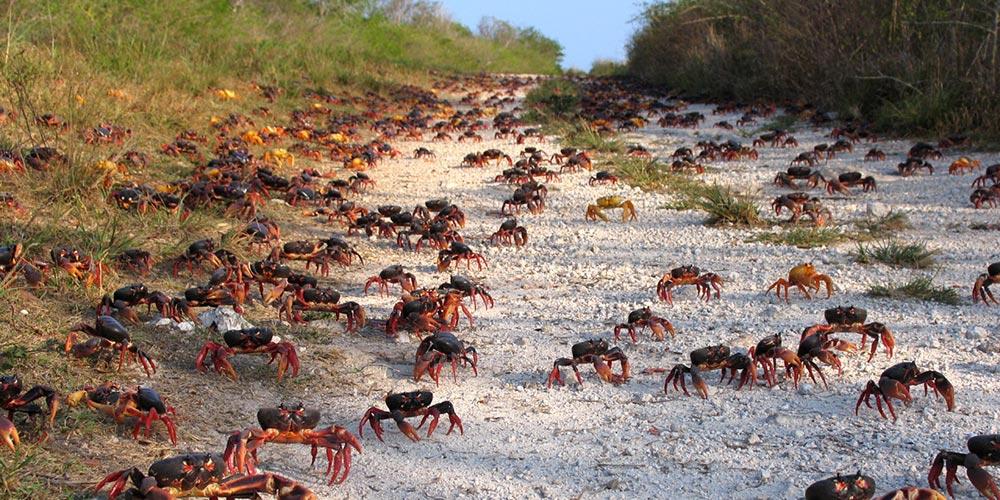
column 892, row 222
column 603, row 68
column 894, row 253
column 922, row 66
column 922, row 288
column 726, row 206
column 557, row 99
column 580, row 135
column 803, row 237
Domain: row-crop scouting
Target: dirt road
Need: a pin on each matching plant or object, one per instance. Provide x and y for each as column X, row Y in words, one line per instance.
column 576, row 279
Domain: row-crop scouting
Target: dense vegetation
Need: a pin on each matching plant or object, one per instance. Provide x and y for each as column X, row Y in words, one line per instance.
column 920, row 66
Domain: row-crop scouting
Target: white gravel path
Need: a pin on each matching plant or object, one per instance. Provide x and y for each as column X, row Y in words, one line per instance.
column 576, row 279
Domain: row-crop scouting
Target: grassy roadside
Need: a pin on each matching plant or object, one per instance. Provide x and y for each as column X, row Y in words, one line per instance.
column 157, row 69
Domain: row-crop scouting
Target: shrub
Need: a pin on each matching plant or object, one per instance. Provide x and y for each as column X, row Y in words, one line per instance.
column 922, row 288
column 894, row 253
column 555, row 99
column 922, row 66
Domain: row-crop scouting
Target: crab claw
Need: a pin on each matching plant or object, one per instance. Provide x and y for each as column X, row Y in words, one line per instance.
column 943, row 387
column 424, row 362
column 981, row 479
column 236, row 453
column 8, row 433
column 434, row 413
column 604, row 371
column 219, row 354
column 408, row 430
column 117, row 480
column 276, row 292
column 699, row 383
column 147, row 362
column 373, row 418
column 554, row 376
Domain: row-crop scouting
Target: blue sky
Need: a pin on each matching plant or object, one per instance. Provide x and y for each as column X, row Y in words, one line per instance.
column 587, row 29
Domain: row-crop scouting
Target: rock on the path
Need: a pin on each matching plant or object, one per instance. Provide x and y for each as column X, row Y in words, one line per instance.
column 184, row 326
column 977, row 333
column 223, row 318
column 990, row 346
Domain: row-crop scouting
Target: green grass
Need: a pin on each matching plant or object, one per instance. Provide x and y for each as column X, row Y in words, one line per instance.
column 782, row 122
column 580, row 135
column 865, row 230
column 896, row 254
column 555, row 100
column 890, row 223
column 921, row 288
column 726, row 206
column 804, row 237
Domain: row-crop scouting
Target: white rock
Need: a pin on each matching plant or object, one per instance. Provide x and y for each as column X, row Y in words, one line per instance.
column 805, row 389
column 161, row 322
column 782, row 420
column 224, row 318
column 185, row 326
column 990, row 346
column 977, row 333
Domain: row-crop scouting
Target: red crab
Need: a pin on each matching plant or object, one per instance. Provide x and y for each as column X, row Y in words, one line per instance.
column 80, row 266
column 248, row 341
column 852, row 319
column 439, row 348
column 199, row 475
column 322, row 300
column 641, row 319
column 198, row 252
column 143, row 403
column 108, row 333
column 392, row 274
column 712, row 358
column 457, row 252
column 13, row 401
column 981, row 288
column 983, row 450
column 510, row 233
column 894, row 384
column 292, row 425
column 598, row 353
column 689, row 275
column 410, row 404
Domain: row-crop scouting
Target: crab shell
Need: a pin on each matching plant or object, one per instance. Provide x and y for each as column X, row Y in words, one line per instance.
column 409, row 401
column 853, row 487
column 288, row 419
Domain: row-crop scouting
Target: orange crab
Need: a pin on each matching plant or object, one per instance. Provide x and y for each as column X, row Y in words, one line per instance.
column 596, row 210
column 279, row 157
column 803, row 276
column 962, row 165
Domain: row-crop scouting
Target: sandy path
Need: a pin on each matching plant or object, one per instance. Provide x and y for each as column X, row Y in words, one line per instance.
column 576, row 279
